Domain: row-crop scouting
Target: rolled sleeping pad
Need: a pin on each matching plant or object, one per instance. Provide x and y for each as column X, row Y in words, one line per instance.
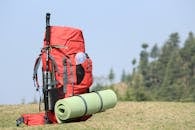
column 84, row 104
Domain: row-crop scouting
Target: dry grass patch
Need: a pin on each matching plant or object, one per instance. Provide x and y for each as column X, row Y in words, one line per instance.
column 126, row 115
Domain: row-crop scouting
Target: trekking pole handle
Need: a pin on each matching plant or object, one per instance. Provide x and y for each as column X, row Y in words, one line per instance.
column 48, row 19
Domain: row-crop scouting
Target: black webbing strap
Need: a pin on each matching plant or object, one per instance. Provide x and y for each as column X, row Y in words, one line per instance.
column 86, row 108
column 65, row 76
column 72, row 77
column 54, row 62
column 19, row 121
column 101, row 100
column 54, row 45
column 68, row 61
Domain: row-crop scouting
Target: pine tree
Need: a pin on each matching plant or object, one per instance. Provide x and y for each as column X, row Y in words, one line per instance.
column 143, row 59
column 143, row 64
column 155, row 52
column 188, row 56
column 123, row 76
column 168, row 49
column 111, row 76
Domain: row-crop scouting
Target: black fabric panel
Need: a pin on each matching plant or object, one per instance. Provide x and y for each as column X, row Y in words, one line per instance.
column 80, row 72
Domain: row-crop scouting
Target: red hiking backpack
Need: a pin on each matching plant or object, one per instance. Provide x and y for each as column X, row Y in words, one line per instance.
column 66, row 77
column 66, row 68
column 65, row 43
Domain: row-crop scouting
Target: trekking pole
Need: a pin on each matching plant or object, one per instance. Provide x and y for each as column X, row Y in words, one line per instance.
column 46, row 85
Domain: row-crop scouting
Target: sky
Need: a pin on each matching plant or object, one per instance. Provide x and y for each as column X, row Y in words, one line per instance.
column 113, row 30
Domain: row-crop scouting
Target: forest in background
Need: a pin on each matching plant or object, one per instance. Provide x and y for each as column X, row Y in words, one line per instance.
column 165, row 73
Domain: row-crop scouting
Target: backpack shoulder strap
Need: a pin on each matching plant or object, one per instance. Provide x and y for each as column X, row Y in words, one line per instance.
column 35, row 70
column 36, row 67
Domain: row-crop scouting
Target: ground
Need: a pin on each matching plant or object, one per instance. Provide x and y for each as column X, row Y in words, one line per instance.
column 125, row 116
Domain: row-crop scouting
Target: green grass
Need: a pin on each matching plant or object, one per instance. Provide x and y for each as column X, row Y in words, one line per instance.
column 126, row 115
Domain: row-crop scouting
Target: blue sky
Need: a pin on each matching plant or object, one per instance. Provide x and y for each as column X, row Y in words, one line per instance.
column 114, row 31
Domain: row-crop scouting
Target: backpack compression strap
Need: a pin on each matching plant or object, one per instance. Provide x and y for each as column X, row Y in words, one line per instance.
column 67, row 62
column 36, row 67
column 65, row 77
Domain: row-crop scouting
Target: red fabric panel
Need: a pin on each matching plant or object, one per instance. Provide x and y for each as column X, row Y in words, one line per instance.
column 51, row 117
column 71, row 38
column 88, row 78
column 34, row 119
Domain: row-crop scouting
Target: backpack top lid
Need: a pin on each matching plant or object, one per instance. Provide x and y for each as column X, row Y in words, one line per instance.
column 67, row 37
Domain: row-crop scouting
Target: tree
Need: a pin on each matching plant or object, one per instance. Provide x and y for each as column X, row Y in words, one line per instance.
column 188, row 67
column 143, row 59
column 111, row 76
column 168, row 49
column 174, row 41
column 144, row 46
column 133, row 63
column 173, row 70
column 143, row 64
column 188, row 52
column 153, row 66
column 137, row 81
column 155, row 52
column 123, row 76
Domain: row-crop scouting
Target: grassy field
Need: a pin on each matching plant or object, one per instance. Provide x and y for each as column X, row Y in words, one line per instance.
column 125, row 116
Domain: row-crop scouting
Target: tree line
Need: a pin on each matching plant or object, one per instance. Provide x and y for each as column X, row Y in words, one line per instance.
column 165, row 73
